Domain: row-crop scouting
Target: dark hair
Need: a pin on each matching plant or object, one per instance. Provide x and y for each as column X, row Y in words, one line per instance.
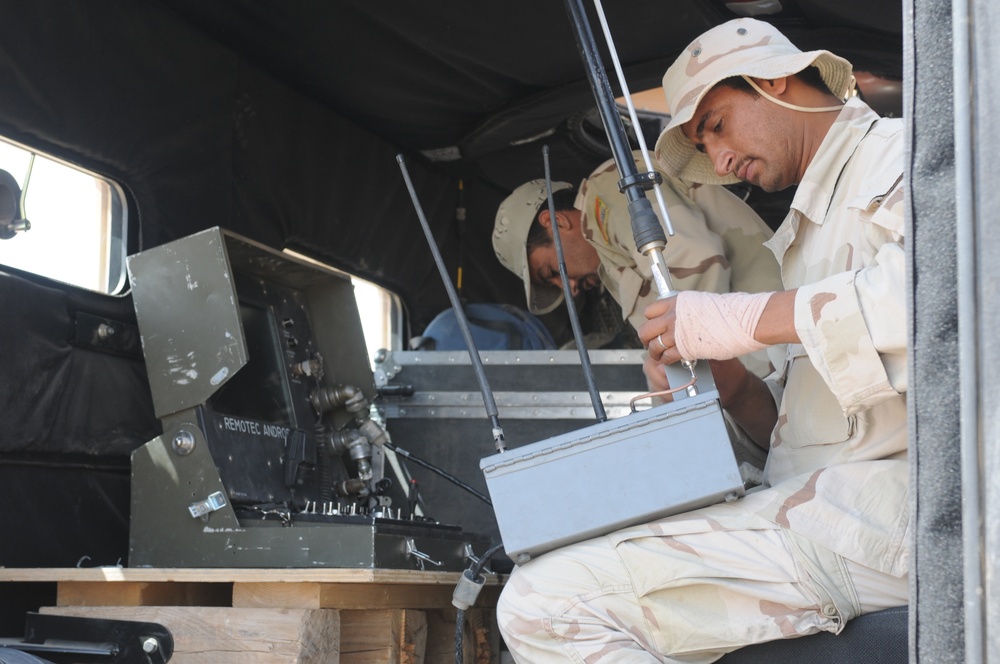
column 738, row 83
column 810, row 76
column 538, row 236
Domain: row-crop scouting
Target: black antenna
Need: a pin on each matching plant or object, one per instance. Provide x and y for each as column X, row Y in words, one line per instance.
column 574, row 317
column 646, row 230
column 463, row 322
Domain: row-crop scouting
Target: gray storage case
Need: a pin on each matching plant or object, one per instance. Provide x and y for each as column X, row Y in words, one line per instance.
column 433, row 408
column 669, row 459
column 583, row 479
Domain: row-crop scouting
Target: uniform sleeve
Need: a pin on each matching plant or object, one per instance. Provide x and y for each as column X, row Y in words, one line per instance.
column 753, row 267
column 695, row 254
column 850, row 325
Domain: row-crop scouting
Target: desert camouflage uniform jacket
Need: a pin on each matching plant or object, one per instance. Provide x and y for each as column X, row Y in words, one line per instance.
column 837, row 462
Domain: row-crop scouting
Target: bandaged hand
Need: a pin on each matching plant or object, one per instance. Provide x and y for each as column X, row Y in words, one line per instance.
column 718, row 326
column 710, row 326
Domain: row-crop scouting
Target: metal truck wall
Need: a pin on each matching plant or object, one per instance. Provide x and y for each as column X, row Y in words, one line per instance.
column 951, row 104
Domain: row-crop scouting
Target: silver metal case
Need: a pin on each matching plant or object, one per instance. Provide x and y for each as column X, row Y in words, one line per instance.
column 635, row 469
column 433, row 408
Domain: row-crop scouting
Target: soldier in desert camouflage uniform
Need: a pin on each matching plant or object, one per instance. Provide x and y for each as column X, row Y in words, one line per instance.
column 717, row 244
column 826, row 538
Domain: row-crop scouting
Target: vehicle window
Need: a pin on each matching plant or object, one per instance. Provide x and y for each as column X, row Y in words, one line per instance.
column 646, row 101
column 68, row 223
column 380, row 311
column 380, row 317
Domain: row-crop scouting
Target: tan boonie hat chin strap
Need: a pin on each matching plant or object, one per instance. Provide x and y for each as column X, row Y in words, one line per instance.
column 794, row 107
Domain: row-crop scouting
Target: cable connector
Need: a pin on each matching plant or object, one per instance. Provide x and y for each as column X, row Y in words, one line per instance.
column 467, row 590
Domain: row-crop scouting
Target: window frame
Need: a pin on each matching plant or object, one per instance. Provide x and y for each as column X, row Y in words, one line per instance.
column 114, row 223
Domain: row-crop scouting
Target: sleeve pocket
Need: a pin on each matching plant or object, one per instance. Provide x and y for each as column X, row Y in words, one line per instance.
column 822, row 422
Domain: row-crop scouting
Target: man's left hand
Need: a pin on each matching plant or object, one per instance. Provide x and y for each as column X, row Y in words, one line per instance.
column 697, row 325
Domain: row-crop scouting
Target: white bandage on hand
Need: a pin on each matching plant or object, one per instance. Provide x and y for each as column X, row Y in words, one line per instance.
column 713, row 326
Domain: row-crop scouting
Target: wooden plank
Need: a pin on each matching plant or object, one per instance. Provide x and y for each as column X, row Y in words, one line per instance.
column 480, row 637
column 209, row 635
column 231, row 575
column 97, row 593
column 383, row 637
column 486, row 634
column 366, row 596
column 341, row 595
column 277, row 595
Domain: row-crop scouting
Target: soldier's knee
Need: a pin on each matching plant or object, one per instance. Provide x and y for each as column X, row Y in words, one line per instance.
column 512, row 608
column 514, row 595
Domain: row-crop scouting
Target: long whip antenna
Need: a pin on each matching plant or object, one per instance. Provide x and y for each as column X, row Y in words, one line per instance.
column 646, row 230
column 574, row 317
column 623, row 85
column 463, row 322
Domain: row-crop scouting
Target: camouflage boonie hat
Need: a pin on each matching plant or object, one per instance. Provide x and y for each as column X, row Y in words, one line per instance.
column 510, row 232
column 741, row 47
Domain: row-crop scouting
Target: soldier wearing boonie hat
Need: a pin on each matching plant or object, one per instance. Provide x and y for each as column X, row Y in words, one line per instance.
column 510, row 233
column 739, row 48
column 825, row 538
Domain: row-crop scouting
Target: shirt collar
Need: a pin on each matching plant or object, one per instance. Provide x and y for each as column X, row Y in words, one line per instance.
column 815, row 191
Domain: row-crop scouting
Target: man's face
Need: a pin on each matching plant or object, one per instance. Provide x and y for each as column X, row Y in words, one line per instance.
column 747, row 136
column 582, row 261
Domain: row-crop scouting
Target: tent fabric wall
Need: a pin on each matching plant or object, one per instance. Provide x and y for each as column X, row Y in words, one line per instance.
column 59, row 397
column 199, row 137
column 70, row 89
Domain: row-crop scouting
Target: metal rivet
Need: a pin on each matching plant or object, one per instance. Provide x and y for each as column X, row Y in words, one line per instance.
column 741, row 31
column 183, row 442
column 696, row 52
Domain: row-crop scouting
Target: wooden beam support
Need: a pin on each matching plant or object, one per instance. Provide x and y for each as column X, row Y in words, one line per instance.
column 219, row 635
column 144, row 593
column 341, row 595
column 389, row 636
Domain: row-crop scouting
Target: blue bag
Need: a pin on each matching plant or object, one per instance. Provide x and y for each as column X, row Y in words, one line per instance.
column 494, row 327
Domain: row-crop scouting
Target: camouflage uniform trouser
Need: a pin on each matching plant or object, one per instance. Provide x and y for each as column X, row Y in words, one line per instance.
column 640, row 596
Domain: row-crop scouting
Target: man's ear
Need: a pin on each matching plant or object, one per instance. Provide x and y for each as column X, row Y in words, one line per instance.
column 564, row 220
column 544, row 219
column 561, row 218
column 773, row 86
